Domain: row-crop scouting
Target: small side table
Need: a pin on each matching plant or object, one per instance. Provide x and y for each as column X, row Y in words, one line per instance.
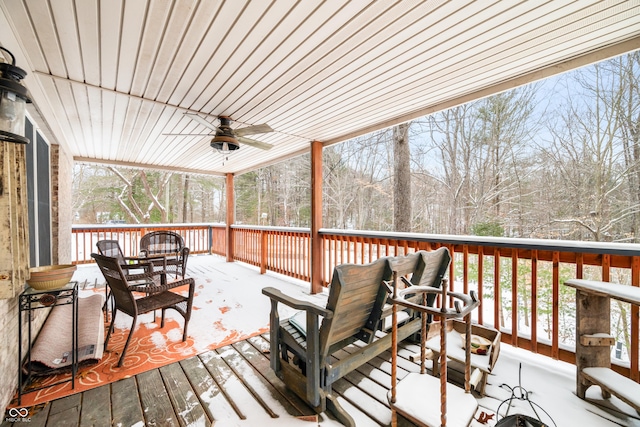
column 32, row 299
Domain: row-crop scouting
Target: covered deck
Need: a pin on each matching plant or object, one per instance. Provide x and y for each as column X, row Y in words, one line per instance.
column 234, row 385
column 122, row 86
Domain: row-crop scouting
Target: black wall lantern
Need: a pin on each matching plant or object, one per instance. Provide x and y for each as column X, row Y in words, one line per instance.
column 13, row 100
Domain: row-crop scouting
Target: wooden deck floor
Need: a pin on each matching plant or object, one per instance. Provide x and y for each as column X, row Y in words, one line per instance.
column 234, row 386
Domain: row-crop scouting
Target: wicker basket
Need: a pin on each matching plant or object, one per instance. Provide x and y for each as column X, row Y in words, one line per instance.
column 50, row 276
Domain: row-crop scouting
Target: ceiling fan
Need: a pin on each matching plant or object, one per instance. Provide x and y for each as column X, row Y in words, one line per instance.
column 227, row 139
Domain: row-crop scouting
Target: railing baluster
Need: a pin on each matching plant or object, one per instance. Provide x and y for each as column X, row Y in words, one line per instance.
column 452, row 273
column 481, row 284
column 497, row 303
column 465, row 268
column 579, row 266
column 515, row 312
column 635, row 322
column 555, row 322
column 534, row 301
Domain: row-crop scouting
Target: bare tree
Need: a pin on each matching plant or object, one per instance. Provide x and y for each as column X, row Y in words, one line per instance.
column 185, row 198
column 401, row 178
column 451, row 137
column 356, row 184
column 629, row 115
column 131, row 205
column 594, row 152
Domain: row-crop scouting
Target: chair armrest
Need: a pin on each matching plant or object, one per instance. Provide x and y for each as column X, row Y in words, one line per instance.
column 149, row 275
column 155, row 288
column 277, row 295
column 185, row 252
column 135, row 265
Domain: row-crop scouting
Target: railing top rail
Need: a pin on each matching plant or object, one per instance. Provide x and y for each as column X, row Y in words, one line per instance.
column 628, row 249
column 625, row 249
column 269, row 228
column 137, row 226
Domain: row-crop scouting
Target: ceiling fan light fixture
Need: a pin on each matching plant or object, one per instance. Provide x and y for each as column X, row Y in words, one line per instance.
column 224, row 145
column 225, row 141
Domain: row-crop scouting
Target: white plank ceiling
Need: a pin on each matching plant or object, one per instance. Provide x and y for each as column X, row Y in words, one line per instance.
column 110, row 78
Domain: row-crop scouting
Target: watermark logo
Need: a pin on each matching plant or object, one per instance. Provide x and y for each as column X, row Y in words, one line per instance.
column 17, row 415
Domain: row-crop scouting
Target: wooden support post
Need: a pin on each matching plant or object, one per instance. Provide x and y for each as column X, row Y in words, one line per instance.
column 14, row 234
column 316, row 217
column 231, row 205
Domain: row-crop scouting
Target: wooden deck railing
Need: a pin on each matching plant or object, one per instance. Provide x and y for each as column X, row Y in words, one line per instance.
column 199, row 238
column 534, row 310
column 283, row 250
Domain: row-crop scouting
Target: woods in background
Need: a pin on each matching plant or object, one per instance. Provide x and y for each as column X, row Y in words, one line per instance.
column 557, row 159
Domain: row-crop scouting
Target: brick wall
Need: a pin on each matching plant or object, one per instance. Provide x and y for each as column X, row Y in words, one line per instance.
column 8, row 350
column 9, row 346
column 61, row 204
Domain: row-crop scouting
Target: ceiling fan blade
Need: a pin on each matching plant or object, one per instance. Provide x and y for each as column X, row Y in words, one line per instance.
column 254, row 143
column 201, row 120
column 250, row 130
column 187, row 134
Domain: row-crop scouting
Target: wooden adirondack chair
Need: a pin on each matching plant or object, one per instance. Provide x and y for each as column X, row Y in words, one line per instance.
column 301, row 351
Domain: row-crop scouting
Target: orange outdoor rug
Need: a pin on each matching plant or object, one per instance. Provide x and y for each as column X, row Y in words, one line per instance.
column 221, row 315
column 150, row 348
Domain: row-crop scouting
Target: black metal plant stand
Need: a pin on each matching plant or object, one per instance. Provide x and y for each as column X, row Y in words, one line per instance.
column 31, row 300
column 520, row 393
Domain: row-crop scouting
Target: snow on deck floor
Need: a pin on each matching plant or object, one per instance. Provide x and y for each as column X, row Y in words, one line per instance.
column 228, row 303
column 552, row 385
column 236, row 293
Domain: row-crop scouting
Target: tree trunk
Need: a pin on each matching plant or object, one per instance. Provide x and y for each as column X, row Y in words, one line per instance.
column 402, row 178
column 185, row 199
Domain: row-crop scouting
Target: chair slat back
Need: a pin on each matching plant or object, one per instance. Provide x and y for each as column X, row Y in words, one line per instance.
column 161, row 242
column 355, row 293
column 116, row 280
column 427, row 268
column 111, row 248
